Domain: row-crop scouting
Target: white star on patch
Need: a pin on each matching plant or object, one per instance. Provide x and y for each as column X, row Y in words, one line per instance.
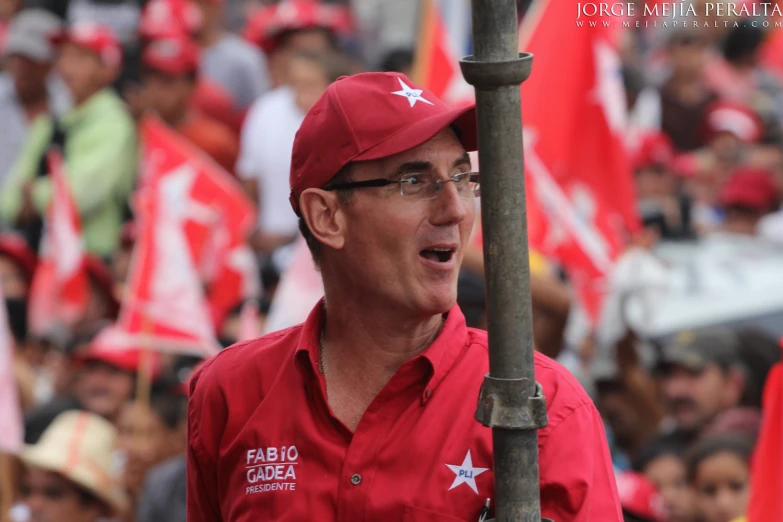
column 413, row 95
column 466, row 473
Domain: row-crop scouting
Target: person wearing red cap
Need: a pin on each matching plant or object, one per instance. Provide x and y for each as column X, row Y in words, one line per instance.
column 98, row 141
column 640, row 499
column 660, row 202
column 170, row 77
column 748, row 195
column 366, row 411
column 281, row 30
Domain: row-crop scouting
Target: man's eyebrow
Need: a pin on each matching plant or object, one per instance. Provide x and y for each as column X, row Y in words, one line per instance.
column 412, row 166
column 462, row 160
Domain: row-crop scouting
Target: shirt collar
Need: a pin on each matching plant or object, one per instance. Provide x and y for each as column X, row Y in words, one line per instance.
column 96, row 103
column 439, row 357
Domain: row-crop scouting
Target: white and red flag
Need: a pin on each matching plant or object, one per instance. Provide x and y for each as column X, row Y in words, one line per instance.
column 580, row 195
column 11, row 436
column 59, row 293
column 216, row 216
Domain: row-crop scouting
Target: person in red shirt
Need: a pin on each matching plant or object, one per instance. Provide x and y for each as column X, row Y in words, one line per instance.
column 170, row 74
column 366, row 411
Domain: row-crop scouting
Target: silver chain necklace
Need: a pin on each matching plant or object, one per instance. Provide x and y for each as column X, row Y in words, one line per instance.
column 321, row 353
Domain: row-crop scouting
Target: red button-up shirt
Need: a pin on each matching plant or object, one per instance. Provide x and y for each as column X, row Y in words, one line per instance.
column 264, row 445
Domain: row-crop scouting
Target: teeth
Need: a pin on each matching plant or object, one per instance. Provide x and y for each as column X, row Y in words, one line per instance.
column 441, row 249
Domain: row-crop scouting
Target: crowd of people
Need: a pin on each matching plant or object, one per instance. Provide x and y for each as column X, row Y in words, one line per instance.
column 236, row 79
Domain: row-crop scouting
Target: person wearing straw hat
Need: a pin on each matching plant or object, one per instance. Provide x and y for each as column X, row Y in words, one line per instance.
column 69, row 475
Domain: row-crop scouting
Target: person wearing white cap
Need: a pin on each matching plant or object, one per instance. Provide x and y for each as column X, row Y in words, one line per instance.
column 27, row 89
column 69, row 474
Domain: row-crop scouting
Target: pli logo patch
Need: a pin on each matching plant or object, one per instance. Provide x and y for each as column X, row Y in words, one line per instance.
column 271, row 469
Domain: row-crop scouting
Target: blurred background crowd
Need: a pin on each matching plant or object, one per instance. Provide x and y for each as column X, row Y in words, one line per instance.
column 692, row 312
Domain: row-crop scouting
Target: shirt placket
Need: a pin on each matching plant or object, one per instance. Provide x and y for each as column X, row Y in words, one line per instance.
column 360, row 464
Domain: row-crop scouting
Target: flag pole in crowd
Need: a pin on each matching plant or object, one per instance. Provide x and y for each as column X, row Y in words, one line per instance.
column 510, row 402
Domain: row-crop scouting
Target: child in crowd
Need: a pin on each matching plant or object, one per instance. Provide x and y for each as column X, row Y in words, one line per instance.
column 662, row 462
column 718, row 469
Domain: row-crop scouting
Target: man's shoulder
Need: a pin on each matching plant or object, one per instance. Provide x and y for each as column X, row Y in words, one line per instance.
column 563, row 392
column 279, row 100
column 239, row 49
column 253, row 359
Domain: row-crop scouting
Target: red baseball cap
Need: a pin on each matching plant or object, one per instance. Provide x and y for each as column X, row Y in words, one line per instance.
column 16, row 248
column 750, row 187
column 655, row 149
column 369, row 116
column 639, row 497
column 266, row 25
column 167, row 18
column 175, row 56
column 734, row 118
column 96, row 38
column 109, row 347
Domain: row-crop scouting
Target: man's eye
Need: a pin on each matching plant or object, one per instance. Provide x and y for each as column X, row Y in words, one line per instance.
column 414, row 179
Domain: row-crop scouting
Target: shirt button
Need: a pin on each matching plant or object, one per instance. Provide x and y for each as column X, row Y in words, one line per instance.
column 428, row 394
column 356, row 479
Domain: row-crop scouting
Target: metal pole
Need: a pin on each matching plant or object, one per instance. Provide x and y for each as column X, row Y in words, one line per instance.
column 510, row 401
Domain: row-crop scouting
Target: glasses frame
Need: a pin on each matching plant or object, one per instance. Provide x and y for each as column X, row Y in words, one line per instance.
column 473, row 177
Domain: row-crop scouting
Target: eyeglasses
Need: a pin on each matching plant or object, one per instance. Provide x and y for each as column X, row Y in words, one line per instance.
column 422, row 186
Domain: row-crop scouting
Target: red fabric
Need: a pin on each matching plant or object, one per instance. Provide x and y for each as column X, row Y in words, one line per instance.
column 732, row 117
column 401, row 117
column 97, row 38
column 129, row 360
column 639, row 497
column 212, row 137
column 15, row 248
column 211, row 99
column 167, row 18
column 265, row 26
column 60, row 291
column 263, row 444
column 766, row 501
column 751, row 187
column 581, row 202
column 655, row 149
column 175, row 55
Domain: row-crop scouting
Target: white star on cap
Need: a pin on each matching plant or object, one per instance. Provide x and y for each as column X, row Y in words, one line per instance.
column 466, row 473
column 413, row 95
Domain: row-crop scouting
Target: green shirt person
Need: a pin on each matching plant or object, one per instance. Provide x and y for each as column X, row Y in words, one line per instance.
column 99, row 144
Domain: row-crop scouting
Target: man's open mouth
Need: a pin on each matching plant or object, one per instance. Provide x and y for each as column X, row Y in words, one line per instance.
column 439, row 255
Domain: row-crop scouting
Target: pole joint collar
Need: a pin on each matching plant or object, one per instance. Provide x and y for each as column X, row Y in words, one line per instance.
column 503, row 404
column 490, row 75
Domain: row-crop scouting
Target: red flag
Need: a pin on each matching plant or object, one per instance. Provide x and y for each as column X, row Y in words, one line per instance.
column 581, row 203
column 59, row 292
column 216, row 218
column 11, row 435
column 766, row 501
column 444, row 38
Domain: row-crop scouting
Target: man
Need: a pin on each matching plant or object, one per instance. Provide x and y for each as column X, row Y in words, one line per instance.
column 69, row 475
column 104, row 381
column 365, row 412
column 701, row 375
column 98, row 141
column 228, row 60
column 27, row 90
column 169, row 81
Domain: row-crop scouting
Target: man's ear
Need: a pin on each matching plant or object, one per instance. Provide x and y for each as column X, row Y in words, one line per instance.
column 323, row 214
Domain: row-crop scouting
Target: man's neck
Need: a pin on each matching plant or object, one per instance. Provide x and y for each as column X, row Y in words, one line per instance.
column 363, row 347
column 35, row 107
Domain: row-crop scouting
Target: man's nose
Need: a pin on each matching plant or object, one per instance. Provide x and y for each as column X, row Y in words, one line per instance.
column 449, row 207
